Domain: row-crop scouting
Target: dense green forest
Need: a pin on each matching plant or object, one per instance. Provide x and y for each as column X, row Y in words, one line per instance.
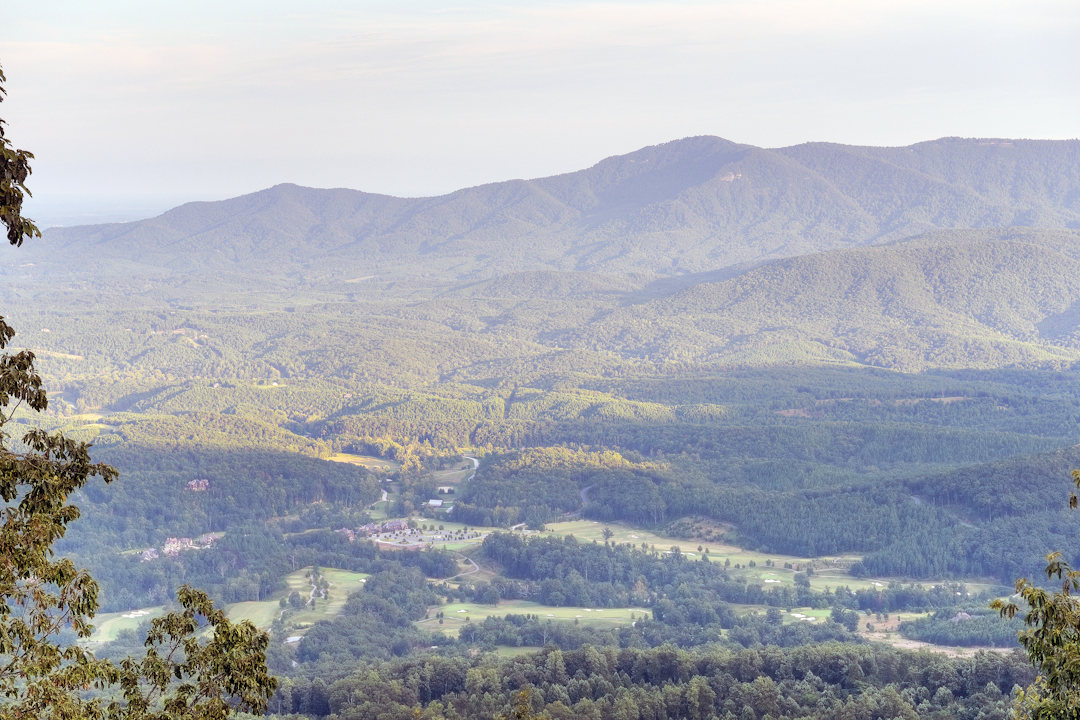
column 817, row 681
column 945, row 473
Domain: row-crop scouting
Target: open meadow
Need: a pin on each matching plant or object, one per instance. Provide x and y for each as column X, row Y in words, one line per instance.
column 370, row 462
column 456, row 614
column 107, row 626
column 829, row 571
column 262, row 613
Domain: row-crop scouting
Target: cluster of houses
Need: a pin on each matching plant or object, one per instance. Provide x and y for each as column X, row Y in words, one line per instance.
column 173, row 546
column 390, row 526
column 198, row 485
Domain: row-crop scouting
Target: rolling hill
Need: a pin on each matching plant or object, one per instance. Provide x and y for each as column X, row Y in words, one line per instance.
column 958, row 299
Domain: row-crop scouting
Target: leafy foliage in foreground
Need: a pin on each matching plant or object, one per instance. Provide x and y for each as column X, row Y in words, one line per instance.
column 1052, row 637
column 42, row 675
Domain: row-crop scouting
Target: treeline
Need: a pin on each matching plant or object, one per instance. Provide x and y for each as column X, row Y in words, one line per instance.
column 680, row 591
column 964, row 626
column 376, row 623
column 607, row 683
column 857, row 445
column 536, row 485
column 750, row 630
column 901, row 533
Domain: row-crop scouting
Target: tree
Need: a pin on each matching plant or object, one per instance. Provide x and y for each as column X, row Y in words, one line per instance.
column 1052, row 638
column 520, row 707
column 180, row 676
column 14, row 170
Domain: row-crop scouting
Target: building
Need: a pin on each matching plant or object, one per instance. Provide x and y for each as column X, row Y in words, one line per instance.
column 435, row 503
column 175, row 545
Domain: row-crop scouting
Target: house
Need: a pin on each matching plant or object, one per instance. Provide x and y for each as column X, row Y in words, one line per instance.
column 347, row 533
column 395, row 526
column 198, row 485
column 435, row 503
column 150, row 554
column 207, row 539
column 175, row 545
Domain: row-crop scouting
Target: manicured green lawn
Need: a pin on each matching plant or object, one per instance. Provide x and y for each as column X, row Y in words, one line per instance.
column 455, row 614
column 510, row 652
column 259, row 613
column 108, row 625
column 263, row 613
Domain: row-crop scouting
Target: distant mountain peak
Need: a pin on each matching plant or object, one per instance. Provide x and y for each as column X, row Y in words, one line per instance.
column 692, row 205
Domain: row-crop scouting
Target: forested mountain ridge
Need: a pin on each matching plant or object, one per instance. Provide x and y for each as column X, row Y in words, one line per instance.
column 956, row 299
column 643, row 307
column 690, row 205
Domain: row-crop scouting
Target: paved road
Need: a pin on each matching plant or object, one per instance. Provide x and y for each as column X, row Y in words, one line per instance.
column 476, row 568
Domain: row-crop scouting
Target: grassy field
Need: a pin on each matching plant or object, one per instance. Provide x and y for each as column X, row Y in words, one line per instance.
column 455, row 614
column 260, row 613
column 369, row 461
column 593, row 530
column 507, row 651
column 887, row 632
column 108, row 625
column 378, row 510
column 263, row 613
column 828, row 571
column 453, row 477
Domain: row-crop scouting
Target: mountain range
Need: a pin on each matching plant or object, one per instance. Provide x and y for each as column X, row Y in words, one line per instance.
column 689, row 206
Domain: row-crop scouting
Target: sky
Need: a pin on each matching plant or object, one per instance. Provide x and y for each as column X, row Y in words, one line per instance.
column 134, row 106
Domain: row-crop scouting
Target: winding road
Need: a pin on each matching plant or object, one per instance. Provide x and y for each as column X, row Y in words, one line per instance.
column 476, row 568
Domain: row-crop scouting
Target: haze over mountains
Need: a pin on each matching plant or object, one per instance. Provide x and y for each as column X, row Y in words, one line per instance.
column 687, row 206
column 952, row 253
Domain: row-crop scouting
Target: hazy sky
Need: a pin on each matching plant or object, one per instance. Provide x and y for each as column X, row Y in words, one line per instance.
column 134, row 104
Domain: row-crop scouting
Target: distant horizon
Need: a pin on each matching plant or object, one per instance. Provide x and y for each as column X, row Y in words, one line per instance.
column 67, row 210
column 210, row 100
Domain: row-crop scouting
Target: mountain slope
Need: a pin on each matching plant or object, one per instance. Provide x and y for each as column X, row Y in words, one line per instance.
column 960, row 299
column 691, row 205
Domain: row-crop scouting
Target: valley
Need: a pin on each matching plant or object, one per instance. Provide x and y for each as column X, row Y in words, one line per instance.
column 702, row 409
